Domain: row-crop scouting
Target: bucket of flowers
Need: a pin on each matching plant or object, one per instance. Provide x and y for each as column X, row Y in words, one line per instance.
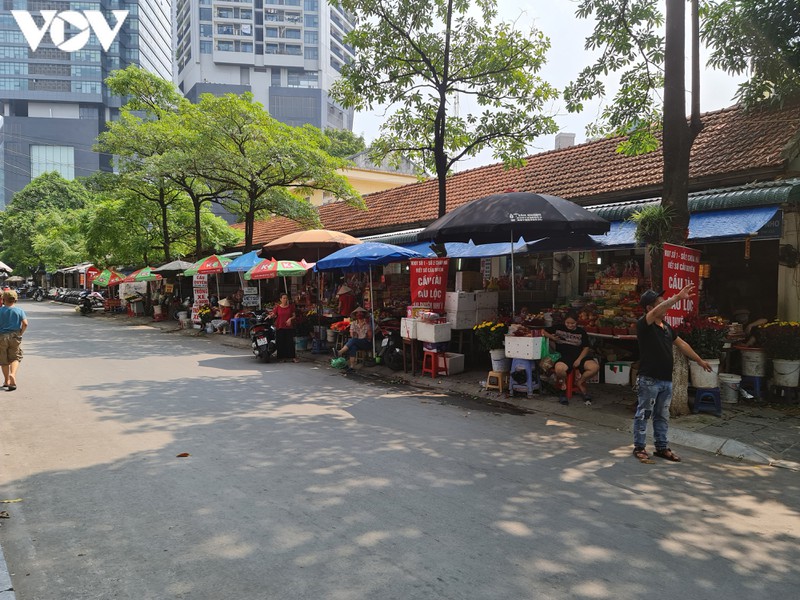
column 491, row 336
column 204, row 314
column 706, row 336
column 781, row 341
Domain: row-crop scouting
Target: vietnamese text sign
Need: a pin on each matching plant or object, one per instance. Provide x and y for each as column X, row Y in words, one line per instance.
column 680, row 267
column 200, row 289
column 429, row 282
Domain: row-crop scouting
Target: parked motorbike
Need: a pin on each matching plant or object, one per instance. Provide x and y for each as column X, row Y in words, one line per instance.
column 90, row 302
column 263, row 338
column 39, row 294
column 391, row 350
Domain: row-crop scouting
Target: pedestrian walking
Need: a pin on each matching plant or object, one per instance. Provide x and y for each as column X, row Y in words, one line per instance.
column 13, row 323
column 656, row 339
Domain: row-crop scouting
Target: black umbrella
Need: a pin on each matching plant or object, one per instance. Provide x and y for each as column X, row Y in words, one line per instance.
column 507, row 216
column 500, row 217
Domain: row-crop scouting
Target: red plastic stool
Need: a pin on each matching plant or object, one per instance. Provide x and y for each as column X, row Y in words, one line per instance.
column 431, row 364
column 570, row 381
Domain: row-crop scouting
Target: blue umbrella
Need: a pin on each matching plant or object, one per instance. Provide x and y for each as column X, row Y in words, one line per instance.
column 362, row 257
column 243, row 263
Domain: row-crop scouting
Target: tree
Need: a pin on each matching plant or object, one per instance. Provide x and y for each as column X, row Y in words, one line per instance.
column 268, row 167
column 742, row 34
column 420, row 55
column 344, row 143
column 758, row 38
column 38, row 226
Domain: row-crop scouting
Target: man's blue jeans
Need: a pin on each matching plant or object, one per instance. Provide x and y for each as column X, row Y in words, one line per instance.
column 654, row 400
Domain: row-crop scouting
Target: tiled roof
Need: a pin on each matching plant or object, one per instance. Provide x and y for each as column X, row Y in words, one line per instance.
column 734, row 147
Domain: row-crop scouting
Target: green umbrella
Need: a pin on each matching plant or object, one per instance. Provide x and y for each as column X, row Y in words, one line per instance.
column 144, row 274
column 108, row 277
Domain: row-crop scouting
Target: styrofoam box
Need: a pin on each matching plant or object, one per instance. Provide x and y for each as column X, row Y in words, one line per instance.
column 408, row 328
column 433, row 332
column 461, row 320
column 485, row 314
column 529, row 348
column 487, row 299
column 618, row 372
column 459, row 301
column 469, row 280
column 455, row 363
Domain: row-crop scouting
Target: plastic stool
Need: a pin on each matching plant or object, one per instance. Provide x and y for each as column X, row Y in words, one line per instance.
column 362, row 354
column 495, row 380
column 529, row 366
column 431, row 364
column 752, row 384
column 570, row 381
column 707, row 400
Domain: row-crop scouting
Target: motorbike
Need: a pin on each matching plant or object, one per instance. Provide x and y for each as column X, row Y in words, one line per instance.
column 391, row 350
column 90, row 302
column 263, row 338
column 39, row 295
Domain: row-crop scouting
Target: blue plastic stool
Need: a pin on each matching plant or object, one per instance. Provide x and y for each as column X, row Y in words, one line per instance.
column 753, row 385
column 707, row 400
column 529, row 366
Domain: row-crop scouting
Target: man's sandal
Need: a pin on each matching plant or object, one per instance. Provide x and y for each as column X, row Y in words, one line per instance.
column 641, row 454
column 667, row 454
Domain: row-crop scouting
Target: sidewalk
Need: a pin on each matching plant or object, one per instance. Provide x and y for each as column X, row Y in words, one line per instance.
column 754, row 431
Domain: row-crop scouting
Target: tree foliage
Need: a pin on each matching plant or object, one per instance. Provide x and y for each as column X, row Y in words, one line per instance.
column 344, row 143
column 39, row 227
column 268, row 168
column 416, row 56
column 760, row 38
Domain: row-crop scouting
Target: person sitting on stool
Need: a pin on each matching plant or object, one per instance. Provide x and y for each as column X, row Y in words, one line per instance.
column 360, row 336
column 572, row 342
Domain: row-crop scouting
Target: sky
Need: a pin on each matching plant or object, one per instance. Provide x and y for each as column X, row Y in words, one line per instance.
column 565, row 60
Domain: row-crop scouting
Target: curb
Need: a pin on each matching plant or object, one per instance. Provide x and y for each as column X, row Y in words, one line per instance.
column 6, row 589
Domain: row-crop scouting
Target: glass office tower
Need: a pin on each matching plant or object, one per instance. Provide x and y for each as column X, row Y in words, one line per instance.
column 53, row 101
column 286, row 52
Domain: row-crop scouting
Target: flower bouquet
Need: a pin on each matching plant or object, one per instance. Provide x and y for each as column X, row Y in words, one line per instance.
column 491, row 334
column 204, row 314
column 706, row 335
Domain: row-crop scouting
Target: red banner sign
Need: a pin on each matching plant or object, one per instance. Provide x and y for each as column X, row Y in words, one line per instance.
column 429, row 282
column 681, row 267
column 91, row 274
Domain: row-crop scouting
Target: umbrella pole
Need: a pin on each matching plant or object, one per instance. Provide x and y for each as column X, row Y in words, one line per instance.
column 513, row 280
column 218, row 298
column 372, row 310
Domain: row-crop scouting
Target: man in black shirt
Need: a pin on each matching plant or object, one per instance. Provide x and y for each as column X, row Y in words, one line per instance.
column 655, row 339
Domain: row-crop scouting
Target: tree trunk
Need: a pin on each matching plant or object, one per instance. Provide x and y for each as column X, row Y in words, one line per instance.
column 677, row 142
column 680, row 384
column 249, row 226
column 164, row 224
column 440, row 125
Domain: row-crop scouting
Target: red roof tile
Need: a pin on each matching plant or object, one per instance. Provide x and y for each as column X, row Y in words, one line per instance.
column 734, row 147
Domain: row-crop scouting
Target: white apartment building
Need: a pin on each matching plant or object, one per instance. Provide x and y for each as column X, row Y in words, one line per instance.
column 286, row 52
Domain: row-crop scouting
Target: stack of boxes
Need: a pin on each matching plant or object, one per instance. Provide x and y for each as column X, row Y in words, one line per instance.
column 467, row 309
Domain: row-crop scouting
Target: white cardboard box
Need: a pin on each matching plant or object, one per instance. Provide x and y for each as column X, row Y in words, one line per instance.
column 618, row 372
column 459, row 302
column 487, row 299
column 408, row 328
column 433, row 332
column 455, row 363
column 462, row 319
column 529, row 348
column 485, row 314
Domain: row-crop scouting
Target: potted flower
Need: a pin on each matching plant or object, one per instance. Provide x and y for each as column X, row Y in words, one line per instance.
column 204, row 314
column 491, row 336
column 781, row 341
column 706, row 336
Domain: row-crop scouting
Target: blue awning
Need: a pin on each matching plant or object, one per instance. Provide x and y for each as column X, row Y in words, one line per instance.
column 469, row 250
column 720, row 225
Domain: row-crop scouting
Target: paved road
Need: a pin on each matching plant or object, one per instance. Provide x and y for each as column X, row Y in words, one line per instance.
column 303, row 484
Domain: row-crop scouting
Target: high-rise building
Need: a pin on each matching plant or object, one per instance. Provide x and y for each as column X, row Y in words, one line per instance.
column 286, row 52
column 54, row 57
